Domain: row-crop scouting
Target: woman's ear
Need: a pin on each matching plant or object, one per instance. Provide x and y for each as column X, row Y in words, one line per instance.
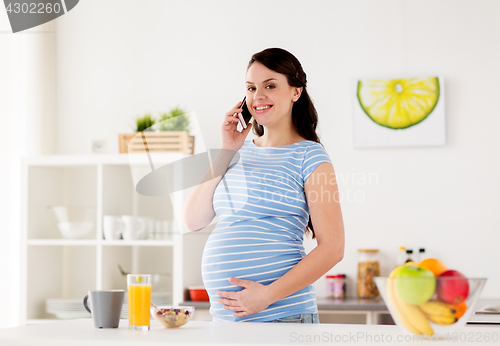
column 296, row 94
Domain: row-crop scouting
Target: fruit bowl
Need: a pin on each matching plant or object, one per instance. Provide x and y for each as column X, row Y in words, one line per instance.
column 172, row 316
column 430, row 312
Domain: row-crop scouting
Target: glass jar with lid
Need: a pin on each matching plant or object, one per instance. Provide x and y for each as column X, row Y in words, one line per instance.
column 368, row 268
column 335, row 286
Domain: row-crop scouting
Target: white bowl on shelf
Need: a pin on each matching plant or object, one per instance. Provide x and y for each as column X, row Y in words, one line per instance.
column 74, row 222
column 75, row 230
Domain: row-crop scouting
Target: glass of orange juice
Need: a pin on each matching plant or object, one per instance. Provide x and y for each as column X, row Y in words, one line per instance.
column 139, row 300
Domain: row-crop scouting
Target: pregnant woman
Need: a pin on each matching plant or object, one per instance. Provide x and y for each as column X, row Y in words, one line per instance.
column 267, row 194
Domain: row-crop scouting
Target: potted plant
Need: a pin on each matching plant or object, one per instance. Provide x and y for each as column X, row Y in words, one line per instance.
column 175, row 120
column 169, row 134
column 144, row 123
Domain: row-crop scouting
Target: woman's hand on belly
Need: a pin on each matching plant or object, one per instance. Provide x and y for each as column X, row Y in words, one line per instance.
column 252, row 299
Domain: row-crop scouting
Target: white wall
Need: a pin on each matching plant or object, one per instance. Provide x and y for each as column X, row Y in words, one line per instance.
column 118, row 59
column 6, row 255
column 27, row 115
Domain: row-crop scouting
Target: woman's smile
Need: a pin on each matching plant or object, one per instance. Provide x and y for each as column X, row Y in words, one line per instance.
column 262, row 108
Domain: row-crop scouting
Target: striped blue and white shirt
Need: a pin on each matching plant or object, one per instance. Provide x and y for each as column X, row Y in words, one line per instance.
column 262, row 215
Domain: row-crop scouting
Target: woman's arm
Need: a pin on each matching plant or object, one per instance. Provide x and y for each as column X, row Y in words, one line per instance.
column 197, row 209
column 326, row 216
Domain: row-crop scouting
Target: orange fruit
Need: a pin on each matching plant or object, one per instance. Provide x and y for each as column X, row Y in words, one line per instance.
column 460, row 309
column 434, row 265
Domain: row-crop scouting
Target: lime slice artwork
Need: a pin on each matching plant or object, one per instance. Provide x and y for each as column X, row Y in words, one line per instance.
column 398, row 103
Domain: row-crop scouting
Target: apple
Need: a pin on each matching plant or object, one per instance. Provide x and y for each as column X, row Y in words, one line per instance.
column 452, row 287
column 415, row 285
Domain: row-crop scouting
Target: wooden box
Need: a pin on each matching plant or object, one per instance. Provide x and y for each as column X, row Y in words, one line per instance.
column 156, row 142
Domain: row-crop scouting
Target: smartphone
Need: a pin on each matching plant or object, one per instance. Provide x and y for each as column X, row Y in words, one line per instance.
column 244, row 116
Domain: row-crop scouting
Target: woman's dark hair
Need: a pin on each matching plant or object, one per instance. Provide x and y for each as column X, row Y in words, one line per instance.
column 304, row 115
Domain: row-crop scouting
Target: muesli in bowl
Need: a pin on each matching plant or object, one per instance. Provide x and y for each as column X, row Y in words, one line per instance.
column 172, row 316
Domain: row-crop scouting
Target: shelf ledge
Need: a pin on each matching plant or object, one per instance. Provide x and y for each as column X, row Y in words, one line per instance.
column 94, row 242
column 145, row 242
column 61, row 242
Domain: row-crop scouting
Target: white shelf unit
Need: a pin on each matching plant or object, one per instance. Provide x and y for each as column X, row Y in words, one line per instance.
column 53, row 267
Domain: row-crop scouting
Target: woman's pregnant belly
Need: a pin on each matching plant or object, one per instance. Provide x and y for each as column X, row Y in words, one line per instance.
column 248, row 252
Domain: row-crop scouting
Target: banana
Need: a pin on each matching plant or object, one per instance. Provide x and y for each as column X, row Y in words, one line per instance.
column 442, row 320
column 439, row 312
column 410, row 316
column 437, row 308
column 415, row 315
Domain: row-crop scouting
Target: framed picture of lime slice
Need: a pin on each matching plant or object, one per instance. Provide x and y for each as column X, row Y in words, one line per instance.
column 399, row 112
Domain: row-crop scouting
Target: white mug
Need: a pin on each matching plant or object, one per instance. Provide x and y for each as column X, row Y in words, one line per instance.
column 163, row 230
column 112, row 227
column 167, row 229
column 150, row 227
column 158, row 229
column 135, row 227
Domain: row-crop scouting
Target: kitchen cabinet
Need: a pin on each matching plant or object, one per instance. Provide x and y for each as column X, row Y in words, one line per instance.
column 54, row 267
column 338, row 311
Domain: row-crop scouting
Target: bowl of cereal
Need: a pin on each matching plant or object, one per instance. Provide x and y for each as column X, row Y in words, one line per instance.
column 172, row 316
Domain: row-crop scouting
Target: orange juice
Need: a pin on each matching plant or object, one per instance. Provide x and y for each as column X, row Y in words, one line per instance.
column 139, row 300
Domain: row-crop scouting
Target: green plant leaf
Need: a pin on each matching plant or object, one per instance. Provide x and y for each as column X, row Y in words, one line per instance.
column 175, row 120
column 124, row 273
column 144, row 123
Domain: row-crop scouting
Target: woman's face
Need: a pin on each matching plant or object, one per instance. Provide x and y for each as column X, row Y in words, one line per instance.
column 269, row 96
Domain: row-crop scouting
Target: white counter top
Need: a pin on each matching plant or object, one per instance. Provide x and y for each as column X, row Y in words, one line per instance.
column 82, row 332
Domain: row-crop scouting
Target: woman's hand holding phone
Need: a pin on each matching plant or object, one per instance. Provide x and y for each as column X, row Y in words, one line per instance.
column 232, row 138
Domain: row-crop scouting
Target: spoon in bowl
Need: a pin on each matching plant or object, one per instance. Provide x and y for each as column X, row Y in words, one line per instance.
column 170, row 319
column 157, row 308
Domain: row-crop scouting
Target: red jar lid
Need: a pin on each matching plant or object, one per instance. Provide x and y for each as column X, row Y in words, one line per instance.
column 338, row 276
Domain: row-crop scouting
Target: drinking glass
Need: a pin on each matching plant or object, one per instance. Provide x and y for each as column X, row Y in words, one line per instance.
column 139, row 300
